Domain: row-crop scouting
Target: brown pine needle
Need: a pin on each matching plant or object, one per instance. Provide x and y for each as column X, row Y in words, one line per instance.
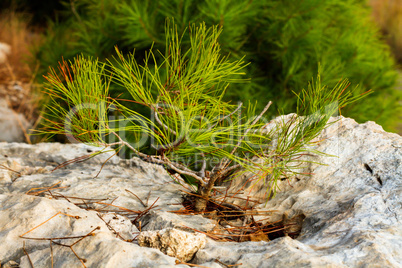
column 26, row 253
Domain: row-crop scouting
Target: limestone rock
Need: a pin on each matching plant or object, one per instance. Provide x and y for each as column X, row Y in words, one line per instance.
column 158, row 220
column 351, row 207
column 74, row 191
column 120, row 226
column 175, row 243
column 24, row 218
column 11, row 124
column 117, row 181
column 352, row 203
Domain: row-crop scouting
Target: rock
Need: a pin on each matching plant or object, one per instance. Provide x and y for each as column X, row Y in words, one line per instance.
column 120, row 226
column 12, row 124
column 282, row 252
column 349, row 210
column 27, row 169
column 11, row 264
column 158, row 220
column 23, row 217
column 175, row 243
column 118, row 180
column 351, row 203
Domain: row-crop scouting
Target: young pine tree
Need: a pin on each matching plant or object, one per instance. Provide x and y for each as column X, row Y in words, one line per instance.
column 191, row 129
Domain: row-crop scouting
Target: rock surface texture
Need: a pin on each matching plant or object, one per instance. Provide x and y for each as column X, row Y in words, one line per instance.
column 352, row 209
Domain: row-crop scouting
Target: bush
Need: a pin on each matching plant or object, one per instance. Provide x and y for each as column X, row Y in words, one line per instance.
column 284, row 40
column 192, row 130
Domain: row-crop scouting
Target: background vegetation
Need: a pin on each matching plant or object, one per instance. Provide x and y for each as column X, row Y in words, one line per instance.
column 388, row 15
column 283, row 40
column 17, row 77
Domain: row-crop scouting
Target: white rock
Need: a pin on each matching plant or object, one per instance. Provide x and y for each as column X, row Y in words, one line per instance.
column 78, row 179
column 11, row 124
column 120, row 226
column 19, row 212
column 38, row 217
column 352, row 205
column 353, row 215
column 175, row 243
column 158, row 220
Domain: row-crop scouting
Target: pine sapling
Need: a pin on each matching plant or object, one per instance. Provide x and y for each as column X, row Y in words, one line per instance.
column 189, row 128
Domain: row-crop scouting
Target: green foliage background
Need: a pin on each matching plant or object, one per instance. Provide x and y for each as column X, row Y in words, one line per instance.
column 284, row 41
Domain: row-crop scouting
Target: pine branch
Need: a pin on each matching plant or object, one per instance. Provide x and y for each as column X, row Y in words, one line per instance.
column 155, row 160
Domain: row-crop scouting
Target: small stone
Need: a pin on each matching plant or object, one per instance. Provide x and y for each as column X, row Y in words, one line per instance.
column 11, row 264
column 175, row 243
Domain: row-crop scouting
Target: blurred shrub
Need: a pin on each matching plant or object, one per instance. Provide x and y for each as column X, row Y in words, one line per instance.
column 284, row 40
column 388, row 15
column 17, row 77
column 15, row 32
